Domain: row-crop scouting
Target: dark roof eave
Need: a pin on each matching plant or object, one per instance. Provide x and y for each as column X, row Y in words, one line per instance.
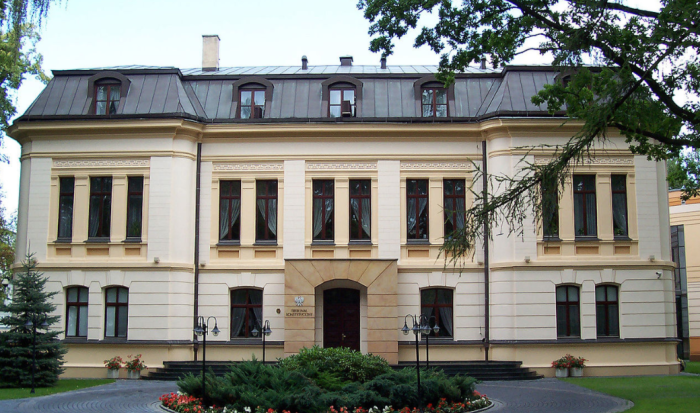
column 187, row 116
column 90, row 72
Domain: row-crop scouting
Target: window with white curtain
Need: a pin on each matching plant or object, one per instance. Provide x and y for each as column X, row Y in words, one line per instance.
column 116, row 311
column 360, row 209
column 323, row 204
column 266, row 206
column 454, row 205
column 230, row 211
column 436, row 305
column 246, row 312
column 76, row 312
column 417, row 209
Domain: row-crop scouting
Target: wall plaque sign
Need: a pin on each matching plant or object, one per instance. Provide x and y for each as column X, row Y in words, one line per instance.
column 300, row 312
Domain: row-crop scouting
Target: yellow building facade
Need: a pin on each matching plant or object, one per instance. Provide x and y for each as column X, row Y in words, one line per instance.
column 315, row 198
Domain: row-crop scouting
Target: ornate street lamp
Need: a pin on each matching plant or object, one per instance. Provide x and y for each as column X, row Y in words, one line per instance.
column 416, row 329
column 266, row 331
column 425, row 330
column 202, row 330
column 31, row 324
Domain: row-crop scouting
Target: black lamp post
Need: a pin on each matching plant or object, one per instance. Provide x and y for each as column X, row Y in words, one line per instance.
column 202, row 329
column 425, row 330
column 416, row 329
column 266, row 331
column 31, row 324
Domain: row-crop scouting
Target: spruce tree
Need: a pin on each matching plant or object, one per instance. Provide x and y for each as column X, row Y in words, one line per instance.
column 30, row 300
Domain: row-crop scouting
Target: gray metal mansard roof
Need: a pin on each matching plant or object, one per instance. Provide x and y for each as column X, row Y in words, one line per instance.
column 207, row 96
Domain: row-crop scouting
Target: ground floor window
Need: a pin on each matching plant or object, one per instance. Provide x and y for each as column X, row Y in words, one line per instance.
column 607, row 311
column 116, row 311
column 436, row 304
column 568, row 314
column 76, row 312
column 246, row 312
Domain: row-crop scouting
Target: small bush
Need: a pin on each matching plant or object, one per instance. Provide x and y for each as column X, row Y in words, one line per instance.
column 348, row 365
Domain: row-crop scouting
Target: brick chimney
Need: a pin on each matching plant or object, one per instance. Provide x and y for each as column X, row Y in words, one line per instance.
column 210, row 52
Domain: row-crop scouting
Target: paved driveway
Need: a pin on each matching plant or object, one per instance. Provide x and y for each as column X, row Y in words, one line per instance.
column 127, row 396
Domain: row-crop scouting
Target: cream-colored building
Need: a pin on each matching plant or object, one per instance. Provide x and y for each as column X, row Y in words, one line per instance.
column 317, row 197
column 685, row 235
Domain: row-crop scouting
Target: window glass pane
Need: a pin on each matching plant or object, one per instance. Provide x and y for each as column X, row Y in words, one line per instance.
column 114, row 92
column 349, row 95
column 328, row 187
column 134, row 212
column 255, row 296
column 112, row 295
column 82, row 327
column 612, row 293
column 613, row 316
column 246, row 98
column 101, row 108
column 441, row 111
column 72, row 320
column 136, row 184
column 123, row 295
column 245, row 112
column 600, row 293
column 335, row 111
column 441, row 97
column 67, row 185
column 427, row 97
column 573, row 293
column 259, row 97
column 123, row 321
column 618, row 183
column 110, row 322
column 600, row 319
column 422, row 186
column 561, row 294
column 237, row 322
column 72, row 295
column 239, row 296
column 574, row 320
column 83, row 295
column 444, row 296
column 102, row 92
column 65, row 217
column 428, row 296
column 427, row 111
column 335, row 97
column 561, row 320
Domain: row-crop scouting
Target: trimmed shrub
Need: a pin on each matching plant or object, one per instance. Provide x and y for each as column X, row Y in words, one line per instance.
column 348, row 365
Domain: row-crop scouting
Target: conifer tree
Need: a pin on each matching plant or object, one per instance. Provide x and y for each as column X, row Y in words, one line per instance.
column 30, row 301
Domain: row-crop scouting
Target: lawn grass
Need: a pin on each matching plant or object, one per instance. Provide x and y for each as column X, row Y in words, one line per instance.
column 657, row 394
column 692, row 367
column 62, row 386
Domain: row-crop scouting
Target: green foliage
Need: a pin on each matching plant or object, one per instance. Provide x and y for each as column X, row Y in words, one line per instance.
column 683, row 172
column 18, row 56
column 29, row 301
column 347, row 364
column 298, row 386
column 8, row 230
column 622, row 68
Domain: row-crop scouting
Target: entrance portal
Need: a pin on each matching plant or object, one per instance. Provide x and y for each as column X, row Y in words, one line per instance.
column 341, row 318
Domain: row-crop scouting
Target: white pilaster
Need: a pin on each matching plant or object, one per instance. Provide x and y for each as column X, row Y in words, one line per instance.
column 294, row 194
column 389, row 212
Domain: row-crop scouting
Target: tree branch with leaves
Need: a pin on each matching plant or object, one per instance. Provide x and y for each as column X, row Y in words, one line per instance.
column 633, row 71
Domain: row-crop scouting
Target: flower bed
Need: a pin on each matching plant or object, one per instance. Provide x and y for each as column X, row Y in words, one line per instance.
column 183, row 403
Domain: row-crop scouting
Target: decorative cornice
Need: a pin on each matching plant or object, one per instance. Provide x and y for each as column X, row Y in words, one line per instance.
column 334, row 166
column 102, row 163
column 455, row 165
column 249, row 166
column 540, row 160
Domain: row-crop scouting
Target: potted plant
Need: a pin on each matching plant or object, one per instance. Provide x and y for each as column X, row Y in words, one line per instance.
column 134, row 366
column 561, row 366
column 577, row 365
column 113, row 365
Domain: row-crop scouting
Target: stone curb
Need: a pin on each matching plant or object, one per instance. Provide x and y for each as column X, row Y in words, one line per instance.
column 483, row 409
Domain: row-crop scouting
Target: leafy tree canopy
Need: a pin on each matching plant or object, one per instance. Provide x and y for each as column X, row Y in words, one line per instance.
column 632, row 69
column 8, row 230
column 18, row 56
column 684, row 171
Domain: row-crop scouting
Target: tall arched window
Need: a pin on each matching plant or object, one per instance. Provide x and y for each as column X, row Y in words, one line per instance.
column 76, row 312
column 246, row 312
column 607, row 311
column 568, row 312
column 116, row 311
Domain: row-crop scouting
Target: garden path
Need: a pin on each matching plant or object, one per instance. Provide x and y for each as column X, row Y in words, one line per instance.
column 548, row 395
column 127, row 396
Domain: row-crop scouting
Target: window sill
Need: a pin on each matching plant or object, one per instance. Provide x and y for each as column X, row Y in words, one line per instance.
column 622, row 238
column 551, row 239
column 265, row 243
column 229, row 243
column 417, row 242
column 70, row 340
column 360, row 242
column 132, row 240
column 115, row 340
column 63, row 240
column 97, row 241
column 587, row 239
column 323, row 243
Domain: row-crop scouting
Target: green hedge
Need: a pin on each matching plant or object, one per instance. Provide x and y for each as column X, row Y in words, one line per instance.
column 318, row 378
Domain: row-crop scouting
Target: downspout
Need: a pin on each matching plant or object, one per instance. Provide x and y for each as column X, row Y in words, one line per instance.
column 196, row 248
column 487, row 336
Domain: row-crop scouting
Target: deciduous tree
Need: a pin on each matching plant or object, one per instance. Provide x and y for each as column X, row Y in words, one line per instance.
column 633, row 69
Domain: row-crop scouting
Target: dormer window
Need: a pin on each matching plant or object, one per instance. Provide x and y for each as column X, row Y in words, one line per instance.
column 252, row 103
column 341, row 102
column 107, row 95
column 434, row 102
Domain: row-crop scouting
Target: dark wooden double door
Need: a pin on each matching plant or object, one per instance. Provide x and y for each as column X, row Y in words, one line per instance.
column 341, row 318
